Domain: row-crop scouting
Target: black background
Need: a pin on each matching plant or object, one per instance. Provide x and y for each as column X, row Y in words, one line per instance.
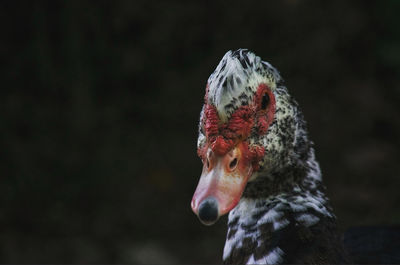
column 99, row 105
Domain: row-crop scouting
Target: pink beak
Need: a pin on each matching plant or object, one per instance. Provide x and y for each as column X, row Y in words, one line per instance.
column 221, row 184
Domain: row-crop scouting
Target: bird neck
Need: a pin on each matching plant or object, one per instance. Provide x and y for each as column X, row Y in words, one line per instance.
column 290, row 228
column 284, row 219
column 301, row 175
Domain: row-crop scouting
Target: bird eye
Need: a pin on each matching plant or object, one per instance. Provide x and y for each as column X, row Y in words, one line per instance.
column 265, row 101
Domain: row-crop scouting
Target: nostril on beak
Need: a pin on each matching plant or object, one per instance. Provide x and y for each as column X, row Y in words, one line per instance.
column 233, row 164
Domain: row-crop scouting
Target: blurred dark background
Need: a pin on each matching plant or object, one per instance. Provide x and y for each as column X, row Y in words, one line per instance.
column 99, row 106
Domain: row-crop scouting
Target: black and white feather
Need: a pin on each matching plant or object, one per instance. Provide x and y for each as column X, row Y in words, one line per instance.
column 284, row 215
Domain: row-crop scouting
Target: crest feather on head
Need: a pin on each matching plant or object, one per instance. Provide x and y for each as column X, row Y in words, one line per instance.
column 235, row 80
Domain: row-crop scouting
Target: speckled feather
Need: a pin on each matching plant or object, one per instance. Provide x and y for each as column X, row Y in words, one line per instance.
column 283, row 215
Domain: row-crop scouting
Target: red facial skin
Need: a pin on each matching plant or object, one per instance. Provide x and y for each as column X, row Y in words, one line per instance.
column 264, row 117
column 226, row 142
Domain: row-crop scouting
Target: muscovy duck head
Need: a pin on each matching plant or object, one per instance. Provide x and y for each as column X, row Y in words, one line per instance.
column 247, row 130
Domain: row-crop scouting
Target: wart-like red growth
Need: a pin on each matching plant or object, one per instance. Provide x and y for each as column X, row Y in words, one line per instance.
column 252, row 155
column 241, row 122
column 264, row 116
column 211, row 121
column 221, row 145
column 257, row 153
column 222, row 137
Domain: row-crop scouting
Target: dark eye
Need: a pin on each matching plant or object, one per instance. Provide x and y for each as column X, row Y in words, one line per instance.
column 265, row 101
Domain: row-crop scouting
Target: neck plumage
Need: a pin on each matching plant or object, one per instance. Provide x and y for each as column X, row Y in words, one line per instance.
column 279, row 221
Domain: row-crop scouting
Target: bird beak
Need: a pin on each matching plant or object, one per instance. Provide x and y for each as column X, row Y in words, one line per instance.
column 221, row 184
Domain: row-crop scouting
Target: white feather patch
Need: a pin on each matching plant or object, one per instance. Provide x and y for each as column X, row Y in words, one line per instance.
column 230, row 79
column 307, row 219
column 273, row 257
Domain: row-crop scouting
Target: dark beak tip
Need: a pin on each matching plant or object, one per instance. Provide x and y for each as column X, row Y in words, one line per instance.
column 208, row 211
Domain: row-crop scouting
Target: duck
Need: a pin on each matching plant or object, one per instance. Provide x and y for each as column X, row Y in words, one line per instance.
column 260, row 168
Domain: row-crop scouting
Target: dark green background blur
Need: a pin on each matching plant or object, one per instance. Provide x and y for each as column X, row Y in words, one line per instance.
column 99, row 105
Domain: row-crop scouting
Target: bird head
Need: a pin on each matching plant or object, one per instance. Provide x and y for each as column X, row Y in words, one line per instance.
column 247, row 129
